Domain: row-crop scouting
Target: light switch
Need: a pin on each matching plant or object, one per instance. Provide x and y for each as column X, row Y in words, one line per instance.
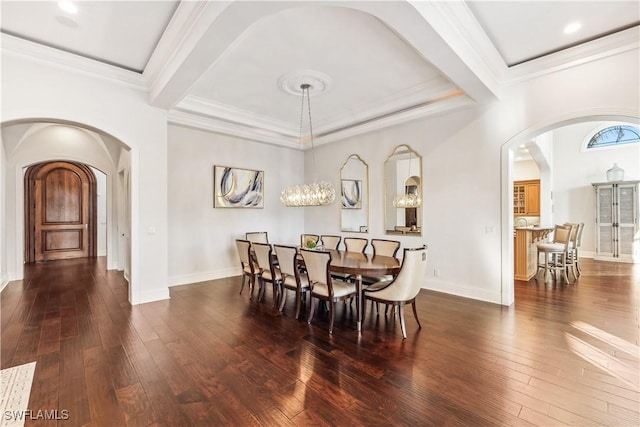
column 151, row 230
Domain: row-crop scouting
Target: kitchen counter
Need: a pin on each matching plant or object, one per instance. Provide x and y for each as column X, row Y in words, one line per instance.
column 525, row 250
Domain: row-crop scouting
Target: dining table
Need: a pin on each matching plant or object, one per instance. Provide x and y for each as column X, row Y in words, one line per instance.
column 359, row 264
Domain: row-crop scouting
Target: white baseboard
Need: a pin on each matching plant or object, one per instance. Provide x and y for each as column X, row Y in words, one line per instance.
column 203, row 276
column 151, row 296
column 4, row 281
column 494, row 297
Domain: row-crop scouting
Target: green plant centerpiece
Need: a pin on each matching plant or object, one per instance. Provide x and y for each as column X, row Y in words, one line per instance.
column 311, row 243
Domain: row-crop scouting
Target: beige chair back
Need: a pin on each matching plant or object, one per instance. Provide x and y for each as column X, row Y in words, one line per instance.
column 576, row 233
column 409, row 280
column 244, row 247
column 330, row 242
column 263, row 255
column 355, row 244
column 304, row 238
column 257, row 236
column 317, row 265
column 562, row 234
column 385, row 247
column 287, row 258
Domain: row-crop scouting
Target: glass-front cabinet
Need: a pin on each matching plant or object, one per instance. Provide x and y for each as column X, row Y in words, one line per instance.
column 403, row 192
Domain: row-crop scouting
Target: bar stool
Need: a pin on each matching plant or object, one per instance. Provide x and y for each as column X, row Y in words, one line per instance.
column 556, row 253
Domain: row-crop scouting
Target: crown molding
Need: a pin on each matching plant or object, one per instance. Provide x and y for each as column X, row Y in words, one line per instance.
column 71, row 62
column 435, row 89
column 447, row 103
column 273, row 136
column 234, row 129
column 603, row 47
column 204, row 107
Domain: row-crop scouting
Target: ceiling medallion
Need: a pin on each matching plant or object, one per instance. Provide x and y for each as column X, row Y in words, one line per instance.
column 293, row 81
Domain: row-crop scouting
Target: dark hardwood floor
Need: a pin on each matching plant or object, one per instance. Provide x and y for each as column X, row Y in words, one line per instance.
column 561, row 355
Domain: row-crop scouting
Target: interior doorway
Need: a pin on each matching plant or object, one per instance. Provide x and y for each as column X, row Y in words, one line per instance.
column 60, row 211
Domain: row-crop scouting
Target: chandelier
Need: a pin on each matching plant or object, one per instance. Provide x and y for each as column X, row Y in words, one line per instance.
column 407, row 199
column 315, row 194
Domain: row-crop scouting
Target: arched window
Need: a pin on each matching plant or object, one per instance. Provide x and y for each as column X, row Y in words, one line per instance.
column 615, row 135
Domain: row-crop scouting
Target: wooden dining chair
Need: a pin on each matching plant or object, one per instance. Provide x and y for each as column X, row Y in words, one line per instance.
column 330, row 242
column 267, row 270
column 385, row 247
column 257, row 236
column 355, row 244
column 249, row 267
column 323, row 286
column 404, row 288
column 291, row 277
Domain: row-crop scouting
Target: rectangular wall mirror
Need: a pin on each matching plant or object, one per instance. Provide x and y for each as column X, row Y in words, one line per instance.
column 354, row 195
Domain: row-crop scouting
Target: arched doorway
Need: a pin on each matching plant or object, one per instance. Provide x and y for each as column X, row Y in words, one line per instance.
column 60, row 211
column 507, row 155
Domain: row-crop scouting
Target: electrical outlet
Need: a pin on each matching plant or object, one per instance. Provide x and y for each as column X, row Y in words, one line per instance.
column 436, row 272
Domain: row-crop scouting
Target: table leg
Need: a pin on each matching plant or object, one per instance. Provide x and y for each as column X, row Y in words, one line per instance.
column 359, row 302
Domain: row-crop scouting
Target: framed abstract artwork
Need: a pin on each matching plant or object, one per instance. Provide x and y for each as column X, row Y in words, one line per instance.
column 351, row 194
column 237, row 188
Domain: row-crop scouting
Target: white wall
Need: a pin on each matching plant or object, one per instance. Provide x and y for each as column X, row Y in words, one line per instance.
column 35, row 90
column 4, row 275
column 101, row 190
column 201, row 238
column 524, row 170
column 575, row 170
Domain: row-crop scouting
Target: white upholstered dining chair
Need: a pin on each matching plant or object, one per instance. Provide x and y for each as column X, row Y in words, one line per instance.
column 404, row 288
column 355, row 244
column 323, row 286
column 330, row 242
column 257, row 236
column 267, row 270
column 291, row 276
column 249, row 267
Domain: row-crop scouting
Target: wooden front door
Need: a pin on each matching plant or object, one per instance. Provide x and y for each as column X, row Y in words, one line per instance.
column 61, row 211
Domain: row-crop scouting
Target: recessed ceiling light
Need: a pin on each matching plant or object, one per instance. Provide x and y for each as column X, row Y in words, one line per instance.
column 67, row 6
column 572, row 28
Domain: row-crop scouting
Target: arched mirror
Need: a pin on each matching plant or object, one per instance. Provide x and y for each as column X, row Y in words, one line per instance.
column 354, row 183
column 403, row 192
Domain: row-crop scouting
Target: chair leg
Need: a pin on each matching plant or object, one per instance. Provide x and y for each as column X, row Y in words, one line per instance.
column 402, row 325
column 415, row 313
column 298, row 302
column 331, row 310
column 274, row 288
column 244, row 276
column 311, row 309
column 546, row 266
column 283, row 298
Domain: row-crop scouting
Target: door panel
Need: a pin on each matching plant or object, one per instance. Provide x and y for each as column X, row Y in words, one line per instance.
column 62, row 211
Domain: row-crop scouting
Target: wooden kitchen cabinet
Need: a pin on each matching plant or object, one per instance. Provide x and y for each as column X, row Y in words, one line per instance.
column 526, row 198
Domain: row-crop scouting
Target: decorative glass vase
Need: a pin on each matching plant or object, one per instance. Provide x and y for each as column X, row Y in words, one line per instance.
column 616, row 173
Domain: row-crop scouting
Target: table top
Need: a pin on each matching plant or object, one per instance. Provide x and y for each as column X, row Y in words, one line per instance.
column 358, row 263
